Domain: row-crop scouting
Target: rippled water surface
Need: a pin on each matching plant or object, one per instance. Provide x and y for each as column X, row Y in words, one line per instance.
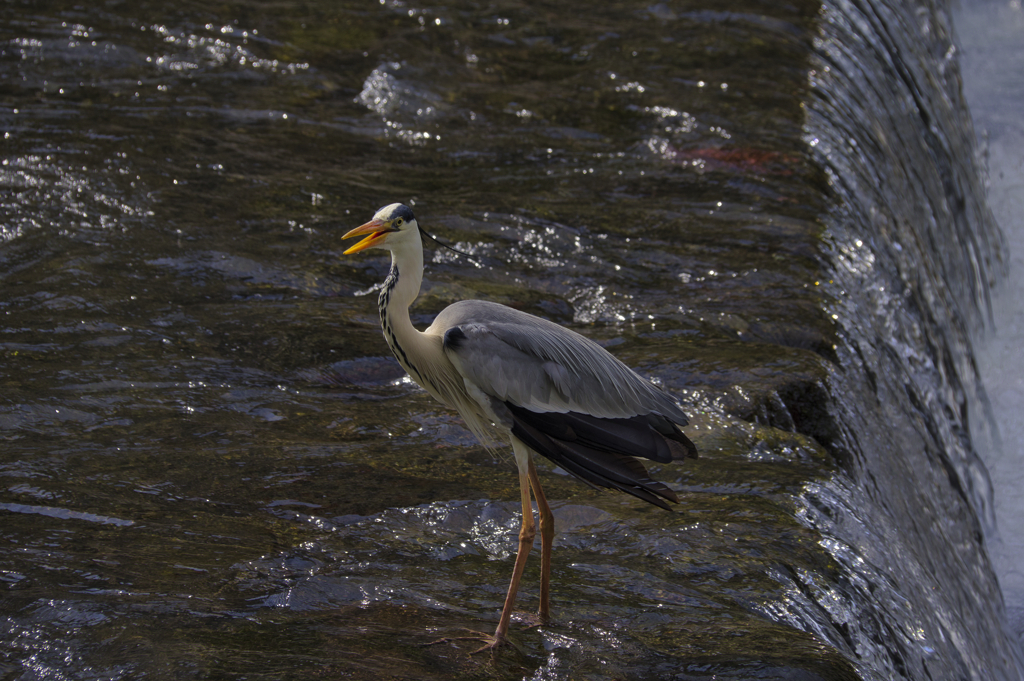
column 209, row 468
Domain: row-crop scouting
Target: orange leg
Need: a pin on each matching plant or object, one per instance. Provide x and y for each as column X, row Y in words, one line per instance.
column 547, row 536
column 526, row 534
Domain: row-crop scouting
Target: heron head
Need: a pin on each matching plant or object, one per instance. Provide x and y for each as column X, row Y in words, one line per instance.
column 390, row 226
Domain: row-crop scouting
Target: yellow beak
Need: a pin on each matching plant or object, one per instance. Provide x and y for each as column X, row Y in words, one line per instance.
column 377, row 229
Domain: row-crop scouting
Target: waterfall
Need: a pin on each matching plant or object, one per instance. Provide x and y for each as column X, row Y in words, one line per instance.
column 914, row 251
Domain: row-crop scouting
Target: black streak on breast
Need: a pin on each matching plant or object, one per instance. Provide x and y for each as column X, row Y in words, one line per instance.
column 382, row 305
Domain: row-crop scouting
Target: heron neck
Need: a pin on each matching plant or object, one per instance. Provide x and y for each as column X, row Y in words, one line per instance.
column 404, row 280
column 401, row 288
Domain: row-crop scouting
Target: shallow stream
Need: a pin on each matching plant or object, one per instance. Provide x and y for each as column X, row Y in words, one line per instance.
column 210, row 468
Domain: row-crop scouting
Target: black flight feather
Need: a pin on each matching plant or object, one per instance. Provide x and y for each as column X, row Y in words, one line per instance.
column 676, row 439
column 600, row 451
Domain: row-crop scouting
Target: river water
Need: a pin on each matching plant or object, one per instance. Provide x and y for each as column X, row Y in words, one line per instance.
column 992, row 38
column 209, row 468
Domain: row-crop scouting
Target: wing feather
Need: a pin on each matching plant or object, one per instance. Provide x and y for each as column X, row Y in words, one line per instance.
column 540, row 365
column 598, row 467
column 565, row 397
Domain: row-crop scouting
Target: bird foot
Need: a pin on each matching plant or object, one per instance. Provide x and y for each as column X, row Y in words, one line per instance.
column 491, row 641
column 494, row 641
column 531, row 620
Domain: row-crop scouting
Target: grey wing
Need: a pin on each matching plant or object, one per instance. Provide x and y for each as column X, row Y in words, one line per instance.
column 541, row 366
column 565, row 397
column 537, row 370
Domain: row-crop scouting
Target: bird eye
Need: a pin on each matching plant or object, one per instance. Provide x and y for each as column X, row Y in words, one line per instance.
column 398, row 222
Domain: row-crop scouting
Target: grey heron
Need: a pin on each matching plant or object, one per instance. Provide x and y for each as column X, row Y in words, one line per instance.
column 542, row 387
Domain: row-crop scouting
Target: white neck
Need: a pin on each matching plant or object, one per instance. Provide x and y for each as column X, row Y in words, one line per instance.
column 408, row 262
column 400, row 290
column 422, row 354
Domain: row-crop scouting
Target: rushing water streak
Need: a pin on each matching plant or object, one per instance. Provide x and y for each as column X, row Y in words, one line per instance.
column 209, row 469
column 911, row 282
column 993, row 66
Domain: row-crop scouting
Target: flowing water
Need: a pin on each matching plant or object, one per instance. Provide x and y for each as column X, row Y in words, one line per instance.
column 209, row 468
column 992, row 38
